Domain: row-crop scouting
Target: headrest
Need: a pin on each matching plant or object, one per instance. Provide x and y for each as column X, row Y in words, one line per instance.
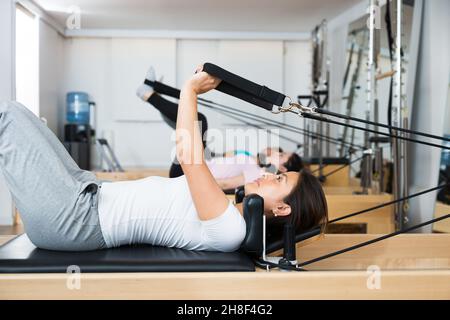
column 253, row 206
column 229, row 191
column 239, row 194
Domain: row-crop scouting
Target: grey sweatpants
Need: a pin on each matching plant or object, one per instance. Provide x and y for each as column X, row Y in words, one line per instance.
column 56, row 199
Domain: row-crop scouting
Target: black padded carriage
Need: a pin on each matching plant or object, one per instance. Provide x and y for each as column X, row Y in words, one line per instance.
column 20, row 256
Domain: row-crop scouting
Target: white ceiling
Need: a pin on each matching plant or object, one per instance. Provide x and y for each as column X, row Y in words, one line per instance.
column 203, row 15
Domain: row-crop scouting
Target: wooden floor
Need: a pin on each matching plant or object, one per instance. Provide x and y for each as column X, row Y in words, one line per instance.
column 339, row 285
column 5, row 238
column 11, row 230
column 339, row 179
column 441, row 210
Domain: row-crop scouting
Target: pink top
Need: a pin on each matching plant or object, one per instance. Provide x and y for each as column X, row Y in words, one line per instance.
column 241, row 164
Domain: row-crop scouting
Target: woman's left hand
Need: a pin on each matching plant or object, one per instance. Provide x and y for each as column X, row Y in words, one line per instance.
column 202, row 82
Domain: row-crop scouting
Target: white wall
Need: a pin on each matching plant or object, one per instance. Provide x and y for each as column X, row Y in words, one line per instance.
column 110, row 69
column 297, row 80
column 265, row 66
column 51, row 57
column 7, row 14
column 27, row 60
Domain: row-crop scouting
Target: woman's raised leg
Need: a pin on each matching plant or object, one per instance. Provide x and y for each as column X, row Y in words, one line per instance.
column 60, row 150
column 56, row 201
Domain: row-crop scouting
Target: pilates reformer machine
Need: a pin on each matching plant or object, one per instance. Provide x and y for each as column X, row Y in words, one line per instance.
column 337, row 266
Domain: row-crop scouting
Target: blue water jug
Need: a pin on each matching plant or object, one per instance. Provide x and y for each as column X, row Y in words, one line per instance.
column 78, row 110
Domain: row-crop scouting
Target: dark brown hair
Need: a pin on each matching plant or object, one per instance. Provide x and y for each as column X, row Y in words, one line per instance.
column 294, row 163
column 308, row 207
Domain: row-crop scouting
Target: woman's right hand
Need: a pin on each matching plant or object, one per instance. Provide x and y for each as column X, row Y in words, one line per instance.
column 201, row 82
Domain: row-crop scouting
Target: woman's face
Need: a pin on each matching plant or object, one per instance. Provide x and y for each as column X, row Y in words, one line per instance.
column 274, row 188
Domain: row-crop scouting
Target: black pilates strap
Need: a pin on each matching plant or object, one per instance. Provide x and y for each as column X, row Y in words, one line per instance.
column 244, row 89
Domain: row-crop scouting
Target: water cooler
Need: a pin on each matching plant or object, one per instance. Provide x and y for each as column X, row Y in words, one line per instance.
column 78, row 131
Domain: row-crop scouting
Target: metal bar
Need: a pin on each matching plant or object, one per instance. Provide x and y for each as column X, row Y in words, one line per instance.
column 351, row 96
column 366, row 171
column 397, row 114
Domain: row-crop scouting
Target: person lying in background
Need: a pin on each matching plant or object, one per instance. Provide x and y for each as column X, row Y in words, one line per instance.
column 233, row 168
column 238, row 167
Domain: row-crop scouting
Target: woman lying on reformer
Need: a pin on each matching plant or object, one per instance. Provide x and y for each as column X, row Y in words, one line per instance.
column 231, row 169
column 66, row 208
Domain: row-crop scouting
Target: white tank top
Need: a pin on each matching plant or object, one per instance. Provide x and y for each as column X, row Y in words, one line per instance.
column 160, row 211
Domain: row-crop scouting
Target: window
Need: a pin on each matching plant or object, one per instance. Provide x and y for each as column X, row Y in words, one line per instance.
column 27, row 59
